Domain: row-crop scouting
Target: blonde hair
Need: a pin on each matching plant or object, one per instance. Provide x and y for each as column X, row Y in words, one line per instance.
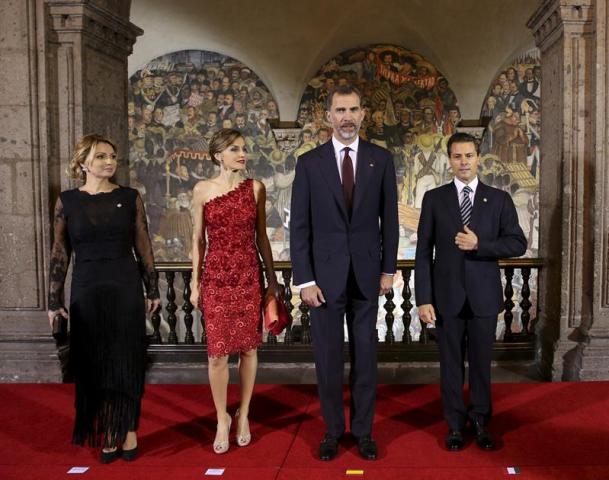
column 84, row 148
column 221, row 140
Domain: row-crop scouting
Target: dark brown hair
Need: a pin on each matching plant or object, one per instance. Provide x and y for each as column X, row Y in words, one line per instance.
column 221, row 140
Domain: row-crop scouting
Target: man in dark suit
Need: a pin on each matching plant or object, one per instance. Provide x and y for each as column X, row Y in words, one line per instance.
column 343, row 245
column 470, row 226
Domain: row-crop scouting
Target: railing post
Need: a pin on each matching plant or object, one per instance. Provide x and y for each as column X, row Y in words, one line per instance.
column 156, row 325
column 424, row 335
column 287, row 281
column 304, row 321
column 203, row 334
column 171, row 308
column 525, row 304
column 508, row 316
column 406, row 305
column 389, row 307
column 187, row 308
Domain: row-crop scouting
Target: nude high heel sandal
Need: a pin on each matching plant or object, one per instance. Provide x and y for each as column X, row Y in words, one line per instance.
column 244, row 439
column 222, row 446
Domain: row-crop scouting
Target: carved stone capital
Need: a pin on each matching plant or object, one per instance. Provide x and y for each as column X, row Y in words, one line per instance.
column 102, row 28
column 287, row 139
column 553, row 18
column 476, row 131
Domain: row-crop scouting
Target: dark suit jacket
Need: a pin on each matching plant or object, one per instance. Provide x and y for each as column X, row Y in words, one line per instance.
column 453, row 275
column 324, row 241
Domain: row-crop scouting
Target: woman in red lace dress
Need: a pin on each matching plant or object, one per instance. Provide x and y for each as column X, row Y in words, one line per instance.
column 229, row 236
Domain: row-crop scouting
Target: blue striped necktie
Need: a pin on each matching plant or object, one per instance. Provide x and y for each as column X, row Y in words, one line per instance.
column 466, row 205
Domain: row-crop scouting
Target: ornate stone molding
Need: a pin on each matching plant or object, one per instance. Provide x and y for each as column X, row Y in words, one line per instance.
column 564, row 31
column 287, row 138
column 552, row 17
column 105, row 30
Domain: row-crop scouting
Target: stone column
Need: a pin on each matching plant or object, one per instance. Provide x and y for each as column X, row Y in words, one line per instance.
column 595, row 357
column 89, row 42
column 573, row 326
column 23, row 201
column 63, row 73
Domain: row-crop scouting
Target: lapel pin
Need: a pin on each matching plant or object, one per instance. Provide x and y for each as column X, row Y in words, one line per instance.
column 484, row 199
column 372, row 164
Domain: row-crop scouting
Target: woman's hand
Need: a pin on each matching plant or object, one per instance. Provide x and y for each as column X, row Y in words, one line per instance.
column 152, row 304
column 194, row 296
column 53, row 313
column 273, row 288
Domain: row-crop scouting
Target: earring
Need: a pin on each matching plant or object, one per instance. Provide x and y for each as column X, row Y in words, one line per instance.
column 83, row 168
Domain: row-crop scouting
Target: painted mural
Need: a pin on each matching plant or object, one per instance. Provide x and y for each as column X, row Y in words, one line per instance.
column 176, row 103
column 510, row 150
column 510, row 146
column 410, row 110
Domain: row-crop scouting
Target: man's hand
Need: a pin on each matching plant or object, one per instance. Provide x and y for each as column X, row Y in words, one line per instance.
column 427, row 313
column 386, row 284
column 467, row 241
column 312, row 296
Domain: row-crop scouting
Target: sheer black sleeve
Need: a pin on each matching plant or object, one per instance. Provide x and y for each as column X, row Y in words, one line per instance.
column 60, row 258
column 143, row 249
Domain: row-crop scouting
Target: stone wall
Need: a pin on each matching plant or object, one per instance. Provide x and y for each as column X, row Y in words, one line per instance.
column 63, row 72
column 574, row 324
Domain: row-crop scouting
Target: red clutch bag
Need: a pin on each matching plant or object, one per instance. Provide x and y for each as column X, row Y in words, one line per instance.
column 276, row 316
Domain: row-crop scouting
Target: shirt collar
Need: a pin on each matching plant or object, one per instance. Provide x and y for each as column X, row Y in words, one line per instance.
column 460, row 185
column 338, row 146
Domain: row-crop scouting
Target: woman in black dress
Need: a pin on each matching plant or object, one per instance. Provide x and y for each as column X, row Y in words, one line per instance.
column 105, row 225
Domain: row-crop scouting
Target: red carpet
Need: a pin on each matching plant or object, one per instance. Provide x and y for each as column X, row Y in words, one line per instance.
column 548, row 431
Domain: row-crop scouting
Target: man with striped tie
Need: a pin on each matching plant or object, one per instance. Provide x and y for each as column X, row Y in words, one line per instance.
column 464, row 229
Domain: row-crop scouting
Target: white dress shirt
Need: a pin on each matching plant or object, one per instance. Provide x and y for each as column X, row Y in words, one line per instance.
column 460, row 186
column 339, row 153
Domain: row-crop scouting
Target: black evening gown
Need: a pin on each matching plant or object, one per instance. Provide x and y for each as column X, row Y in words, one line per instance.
column 108, row 233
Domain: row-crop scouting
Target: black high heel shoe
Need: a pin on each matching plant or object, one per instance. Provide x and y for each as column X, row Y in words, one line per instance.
column 129, row 455
column 109, row 457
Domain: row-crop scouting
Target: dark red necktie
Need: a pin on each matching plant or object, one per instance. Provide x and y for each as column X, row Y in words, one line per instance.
column 347, row 174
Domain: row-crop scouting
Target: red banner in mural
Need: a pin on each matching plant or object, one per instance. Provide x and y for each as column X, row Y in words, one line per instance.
column 385, row 71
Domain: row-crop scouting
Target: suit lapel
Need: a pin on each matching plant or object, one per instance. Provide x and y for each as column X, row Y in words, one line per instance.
column 365, row 167
column 329, row 170
column 480, row 204
column 451, row 199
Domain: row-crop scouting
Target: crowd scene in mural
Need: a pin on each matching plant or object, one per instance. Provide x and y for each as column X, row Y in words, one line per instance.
column 176, row 102
column 510, row 146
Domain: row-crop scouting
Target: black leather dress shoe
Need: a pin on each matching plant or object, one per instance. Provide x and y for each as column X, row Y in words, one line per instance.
column 366, row 447
column 454, row 440
column 483, row 438
column 328, row 448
